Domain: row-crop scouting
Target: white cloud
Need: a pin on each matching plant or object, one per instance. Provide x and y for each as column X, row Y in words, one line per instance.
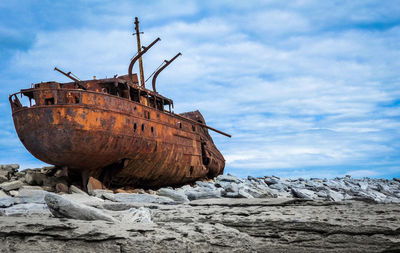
column 292, row 94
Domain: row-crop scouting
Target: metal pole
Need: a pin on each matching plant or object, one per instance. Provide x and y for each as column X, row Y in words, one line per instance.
column 139, row 49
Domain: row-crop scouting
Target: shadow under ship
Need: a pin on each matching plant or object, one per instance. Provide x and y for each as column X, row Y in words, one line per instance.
column 116, row 130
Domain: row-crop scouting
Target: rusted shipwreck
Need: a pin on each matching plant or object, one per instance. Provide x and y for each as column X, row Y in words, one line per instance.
column 116, row 130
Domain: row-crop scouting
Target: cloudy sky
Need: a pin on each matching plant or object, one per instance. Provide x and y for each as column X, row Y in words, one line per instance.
column 307, row 88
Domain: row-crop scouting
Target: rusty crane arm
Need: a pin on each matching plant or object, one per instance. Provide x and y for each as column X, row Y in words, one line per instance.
column 153, row 81
column 140, row 55
column 67, row 74
column 204, row 125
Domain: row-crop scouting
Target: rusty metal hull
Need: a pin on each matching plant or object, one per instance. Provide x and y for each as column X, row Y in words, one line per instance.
column 117, row 140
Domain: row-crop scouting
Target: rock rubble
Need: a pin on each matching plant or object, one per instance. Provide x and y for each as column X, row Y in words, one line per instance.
column 268, row 214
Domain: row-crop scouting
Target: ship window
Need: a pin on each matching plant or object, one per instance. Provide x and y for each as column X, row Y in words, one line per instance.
column 134, row 127
column 147, row 115
column 152, row 129
column 191, row 170
column 193, row 128
column 142, row 127
column 180, row 124
column 49, row 101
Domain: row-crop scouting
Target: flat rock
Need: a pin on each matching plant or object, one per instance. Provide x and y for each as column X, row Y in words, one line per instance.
column 26, row 195
column 141, row 198
column 26, row 210
column 6, row 201
column 63, row 208
column 14, row 185
column 178, row 197
column 84, row 199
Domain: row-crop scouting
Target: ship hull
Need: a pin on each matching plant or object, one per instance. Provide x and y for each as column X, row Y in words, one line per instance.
column 116, row 140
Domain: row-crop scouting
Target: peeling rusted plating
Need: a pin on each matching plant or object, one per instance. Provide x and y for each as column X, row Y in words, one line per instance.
column 115, row 130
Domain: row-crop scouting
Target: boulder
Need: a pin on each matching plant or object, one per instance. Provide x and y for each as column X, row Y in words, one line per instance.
column 243, row 194
column 178, row 197
column 61, row 187
column 13, row 193
column 203, row 193
column 6, row 201
column 61, row 172
column 271, row 180
column 94, row 184
column 302, row 193
column 14, row 185
column 229, row 178
column 3, row 179
column 35, row 178
column 3, row 194
column 100, row 192
column 63, row 208
column 75, row 189
column 396, row 179
column 10, row 167
column 231, row 187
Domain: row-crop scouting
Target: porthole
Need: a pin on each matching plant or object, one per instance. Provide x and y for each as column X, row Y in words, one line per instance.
column 152, row 129
column 142, row 127
column 134, row 127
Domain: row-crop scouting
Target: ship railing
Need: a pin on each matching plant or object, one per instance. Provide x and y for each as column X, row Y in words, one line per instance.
column 30, row 98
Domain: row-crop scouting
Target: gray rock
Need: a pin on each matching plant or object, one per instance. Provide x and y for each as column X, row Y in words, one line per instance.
column 6, row 201
column 63, row 208
column 100, row 192
column 75, row 189
column 3, row 179
column 3, row 194
column 396, row 179
column 26, row 195
column 10, row 167
column 84, row 199
column 35, row 178
column 231, row 187
column 334, row 196
column 303, row 193
column 142, row 198
column 271, row 180
column 177, row 196
column 203, row 193
column 14, row 185
column 363, row 185
column 243, row 194
column 279, row 186
column 141, row 215
column 206, row 185
column 228, row 178
column 13, row 193
column 26, row 210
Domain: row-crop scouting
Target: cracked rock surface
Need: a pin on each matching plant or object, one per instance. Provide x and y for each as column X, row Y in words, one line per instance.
column 215, row 225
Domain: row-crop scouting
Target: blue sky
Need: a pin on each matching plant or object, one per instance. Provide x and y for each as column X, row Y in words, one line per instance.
column 307, row 88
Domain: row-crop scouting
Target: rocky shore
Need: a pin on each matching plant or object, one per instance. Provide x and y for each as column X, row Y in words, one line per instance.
column 42, row 210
